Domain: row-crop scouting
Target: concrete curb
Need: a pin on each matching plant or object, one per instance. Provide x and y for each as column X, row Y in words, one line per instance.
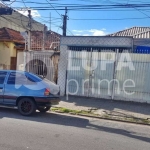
column 103, row 117
column 111, row 119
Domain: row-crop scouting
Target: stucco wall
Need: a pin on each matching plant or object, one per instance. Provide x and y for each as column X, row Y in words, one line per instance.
column 6, row 53
column 12, row 50
column 19, row 22
column 20, row 60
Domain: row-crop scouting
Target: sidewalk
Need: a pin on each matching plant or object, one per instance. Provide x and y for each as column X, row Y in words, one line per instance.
column 105, row 107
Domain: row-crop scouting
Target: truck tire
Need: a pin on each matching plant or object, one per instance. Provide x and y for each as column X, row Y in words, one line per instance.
column 26, row 106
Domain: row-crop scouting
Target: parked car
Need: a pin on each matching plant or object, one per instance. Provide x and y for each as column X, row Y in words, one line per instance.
column 27, row 92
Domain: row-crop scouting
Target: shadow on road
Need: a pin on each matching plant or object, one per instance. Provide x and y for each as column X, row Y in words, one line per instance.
column 108, row 104
column 75, row 121
column 126, row 133
column 50, row 118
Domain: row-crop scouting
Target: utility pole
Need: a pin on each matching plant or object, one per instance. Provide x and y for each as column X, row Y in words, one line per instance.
column 26, row 67
column 29, row 31
column 65, row 17
column 50, row 23
column 44, row 36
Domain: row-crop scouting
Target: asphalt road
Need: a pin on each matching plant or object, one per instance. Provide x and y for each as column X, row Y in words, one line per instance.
column 62, row 132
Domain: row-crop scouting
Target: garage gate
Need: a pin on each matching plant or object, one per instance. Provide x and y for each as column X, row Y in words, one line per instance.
column 91, row 71
column 96, row 67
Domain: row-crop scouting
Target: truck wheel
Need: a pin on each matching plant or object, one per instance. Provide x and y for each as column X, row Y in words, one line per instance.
column 26, row 106
column 43, row 109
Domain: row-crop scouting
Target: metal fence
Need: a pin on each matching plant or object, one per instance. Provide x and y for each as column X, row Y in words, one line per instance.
column 105, row 75
column 42, row 63
column 120, row 73
column 139, row 76
column 94, row 77
column 44, row 55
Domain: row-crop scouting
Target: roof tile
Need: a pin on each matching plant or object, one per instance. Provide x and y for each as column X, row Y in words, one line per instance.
column 134, row 31
column 7, row 34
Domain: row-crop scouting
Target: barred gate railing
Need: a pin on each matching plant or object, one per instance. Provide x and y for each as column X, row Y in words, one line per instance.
column 96, row 73
column 116, row 81
column 43, row 63
column 137, row 78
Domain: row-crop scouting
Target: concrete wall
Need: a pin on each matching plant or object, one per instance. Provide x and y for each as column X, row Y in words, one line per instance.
column 11, row 25
column 19, row 22
column 20, row 61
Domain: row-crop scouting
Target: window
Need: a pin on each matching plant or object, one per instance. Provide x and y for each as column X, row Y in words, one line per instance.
column 35, row 78
column 20, row 78
column 17, row 78
column 32, row 79
column 2, row 77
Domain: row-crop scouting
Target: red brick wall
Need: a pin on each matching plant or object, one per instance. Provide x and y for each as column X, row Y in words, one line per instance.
column 50, row 37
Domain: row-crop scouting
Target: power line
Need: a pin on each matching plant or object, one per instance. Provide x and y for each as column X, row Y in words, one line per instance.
column 14, row 24
column 137, row 9
column 12, row 19
column 117, row 5
column 21, row 19
column 54, row 8
column 80, row 5
column 110, row 1
column 11, row 2
column 89, row 9
column 29, row 22
column 78, row 0
column 70, row 32
column 24, row 3
column 22, row 25
column 59, row 27
column 30, row 2
column 142, row 12
column 94, row 6
column 25, row 21
column 4, row 4
column 84, row 19
column 54, row 18
column 47, row 21
column 21, row 15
